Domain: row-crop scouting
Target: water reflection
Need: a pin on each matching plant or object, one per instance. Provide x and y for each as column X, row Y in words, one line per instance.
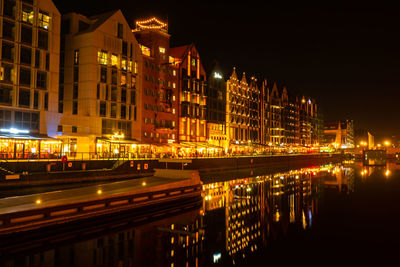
column 237, row 219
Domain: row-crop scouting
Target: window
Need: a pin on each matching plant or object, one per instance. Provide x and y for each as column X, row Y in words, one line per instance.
column 26, row 55
column 76, row 57
column 123, row 112
column 27, row 14
column 114, row 60
column 46, row 101
column 41, row 80
column 134, row 113
column 8, row 29
column 75, row 107
column 24, row 98
column 60, row 107
column 124, row 63
column 61, row 92
column 145, row 50
column 113, row 110
column 103, row 109
column 112, row 126
column 6, row 73
column 193, row 62
column 102, row 57
column 5, row 118
column 76, row 74
column 59, row 128
column 26, row 34
column 103, row 74
column 123, row 79
column 74, row 129
column 25, row 77
column 174, row 72
column 114, row 76
column 44, row 20
column 75, row 91
column 36, row 99
column 123, row 96
column 8, row 9
column 162, row 50
column 7, row 52
column 98, row 91
column 125, row 48
column 113, row 93
column 37, row 58
column 133, row 97
column 120, row 32
column 6, row 94
column 47, row 65
column 26, row 120
column 43, row 40
column 135, row 70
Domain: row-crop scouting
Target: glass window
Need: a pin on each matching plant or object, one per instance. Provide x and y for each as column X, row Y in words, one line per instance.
column 125, row 48
column 103, row 109
column 43, row 40
column 75, row 91
column 113, row 110
column 9, row 8
column 7, row 51
column 36, row 100
column 114, row 60
column 27, row 14
column 133, row 97
column 44, row 20
column 5, row 118
column 120, row 33
column 8, row 29
column 114, row 77
column 47, row 65
column 123, row 79
column 123, row 112
column 24, row 97
column 41, row 80
column 37, row 58
column 113, row 93
column 6, row 94
column 145, row 50
column 61, row 92
column 25, row 77
column 76, row 74
column 26, row 55
column 6, row 73
column 102, row 57
column 103, row 74
column 123, row 96
column 124, row 63
column 74, row 129
column 76, row 57
column 162, row 50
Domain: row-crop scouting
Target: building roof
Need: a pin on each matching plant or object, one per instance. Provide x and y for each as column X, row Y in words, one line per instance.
column 98, row 20
column 180, row 51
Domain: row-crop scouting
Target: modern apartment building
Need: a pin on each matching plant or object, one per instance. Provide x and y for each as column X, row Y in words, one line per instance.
column 29, row 64
column 99, row 85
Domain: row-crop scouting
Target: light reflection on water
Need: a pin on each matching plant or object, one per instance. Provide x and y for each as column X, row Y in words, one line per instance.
column 239, row 219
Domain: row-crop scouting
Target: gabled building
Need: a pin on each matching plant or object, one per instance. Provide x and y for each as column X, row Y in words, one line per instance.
column 192, row 94
column 99, row 85
column 275, row 109
column 339, row 134
column 29, row 69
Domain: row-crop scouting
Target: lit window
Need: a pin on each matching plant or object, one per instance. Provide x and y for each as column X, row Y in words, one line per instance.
column 162, row 50
column 44, row 20
column 102, row 57
column 27, row 14
column 145, row 50
column 123, row 64
column 174, row 72
column 193, row 62
column 171, row 60
column 114, row 60
column 135, row 70
column 173, row 136
column 173, row 98
column 173, row 85
column 173, row 111
column 76, row 57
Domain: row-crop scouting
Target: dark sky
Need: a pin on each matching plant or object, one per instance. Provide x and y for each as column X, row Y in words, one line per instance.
column 348, row 59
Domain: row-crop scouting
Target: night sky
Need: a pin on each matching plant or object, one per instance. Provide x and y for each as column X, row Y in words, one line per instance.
column 348, row 59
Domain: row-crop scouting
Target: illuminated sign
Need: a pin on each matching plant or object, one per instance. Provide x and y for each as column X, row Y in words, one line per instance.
column 14, row 131
column 216, row 257
column 217, row 75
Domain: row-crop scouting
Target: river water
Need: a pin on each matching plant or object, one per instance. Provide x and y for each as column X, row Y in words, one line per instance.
column 337, row 214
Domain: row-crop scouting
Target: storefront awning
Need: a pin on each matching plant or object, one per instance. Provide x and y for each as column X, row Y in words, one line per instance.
column 26, row 137
column 122, row 141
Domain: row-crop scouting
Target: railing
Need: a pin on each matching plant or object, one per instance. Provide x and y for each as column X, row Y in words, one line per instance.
column 36, row 217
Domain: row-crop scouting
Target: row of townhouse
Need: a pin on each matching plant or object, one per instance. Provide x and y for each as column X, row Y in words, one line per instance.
column 96, row 87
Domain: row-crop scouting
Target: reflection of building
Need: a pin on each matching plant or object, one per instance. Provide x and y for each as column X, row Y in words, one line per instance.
column 339, row 134
column 159, row 102
column 98, row 84
column 29, row 78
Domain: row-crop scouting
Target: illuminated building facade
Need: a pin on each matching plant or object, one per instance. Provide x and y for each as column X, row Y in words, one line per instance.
column 99, row 81
column 243, row 116
column 339, row 134
column 216, row 109
column 29, row 67
column 159, row 101
column 275, row 110
column 192, row 94
column 307, row 120
column 290, row 119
